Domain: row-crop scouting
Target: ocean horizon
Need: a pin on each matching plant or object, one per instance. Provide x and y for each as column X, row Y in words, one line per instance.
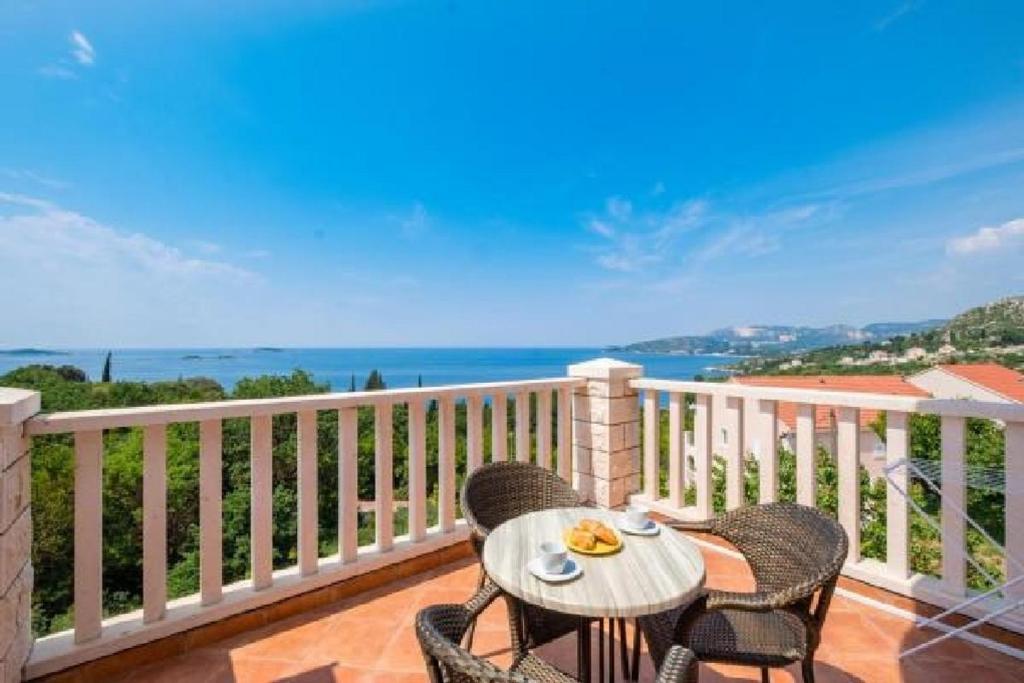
column 400, row 367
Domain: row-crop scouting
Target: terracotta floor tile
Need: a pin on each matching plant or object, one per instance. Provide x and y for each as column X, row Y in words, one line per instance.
column 370, row 638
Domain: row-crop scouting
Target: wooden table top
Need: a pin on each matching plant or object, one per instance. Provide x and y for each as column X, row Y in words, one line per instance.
column 650, row 574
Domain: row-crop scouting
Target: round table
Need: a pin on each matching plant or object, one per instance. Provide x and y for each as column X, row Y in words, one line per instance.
column 650, row 574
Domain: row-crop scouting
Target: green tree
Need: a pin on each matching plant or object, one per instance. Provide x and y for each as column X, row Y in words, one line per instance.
column 106, row 369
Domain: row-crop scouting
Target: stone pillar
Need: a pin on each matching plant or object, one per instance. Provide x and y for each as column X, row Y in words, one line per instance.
column 606, row 431
column 16, row 406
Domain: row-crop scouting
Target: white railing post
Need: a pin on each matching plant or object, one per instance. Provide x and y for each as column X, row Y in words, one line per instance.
column 652, row 445
column 154, row 522
column 897, row 530
column 848, row 439
column 417, row 471
column 499, row 427
column 703, row 450
column 768, row 442
column 565, row 434
column 383, row 478
column 806, row 457
column 675, row 450
column 606, row 411
column 954, row 501
column 16, row 406
column 1014, row 464
column 733, row 450
column 348, row 484
column 544, row 429
column 309, row 527
column 211, row 551
column 446, row 492
column 88, row 566
column 261, row 514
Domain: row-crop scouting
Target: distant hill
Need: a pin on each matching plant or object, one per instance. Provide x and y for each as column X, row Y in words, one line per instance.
column 777, row 339
column 991, row 332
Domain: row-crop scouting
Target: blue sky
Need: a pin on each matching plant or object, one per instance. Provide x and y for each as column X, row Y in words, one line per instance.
column 494, row 173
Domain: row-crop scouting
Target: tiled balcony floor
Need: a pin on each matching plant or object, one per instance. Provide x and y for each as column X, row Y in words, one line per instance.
column 371, row 638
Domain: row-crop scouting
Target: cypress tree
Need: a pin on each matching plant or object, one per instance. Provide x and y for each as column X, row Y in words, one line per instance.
column 352, row 383
column 106, row 369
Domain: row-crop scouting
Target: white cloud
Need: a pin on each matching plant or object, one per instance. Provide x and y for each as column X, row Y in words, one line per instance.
column 988, row 238
column 900, row 11
column 81, row 49
column 416, row 223
column 56, row 71
column 205, row 247
column 37, row 178
column 632, row 241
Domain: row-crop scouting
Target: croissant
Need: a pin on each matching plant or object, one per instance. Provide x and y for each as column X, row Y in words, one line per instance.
column 583, row 539
column 605, row 535
column 588, row 524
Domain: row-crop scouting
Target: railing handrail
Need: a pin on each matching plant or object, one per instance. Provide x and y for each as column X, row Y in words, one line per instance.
column 113, row 418
column 991, row 410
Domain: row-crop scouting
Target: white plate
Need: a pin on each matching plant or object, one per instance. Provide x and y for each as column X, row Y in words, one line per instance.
column 571, row 570
column 651, row 529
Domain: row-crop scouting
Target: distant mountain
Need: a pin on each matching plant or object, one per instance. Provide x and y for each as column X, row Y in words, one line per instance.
column 993, row 332
column 776, row 339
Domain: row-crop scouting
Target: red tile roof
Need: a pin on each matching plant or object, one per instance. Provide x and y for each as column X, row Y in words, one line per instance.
column 823, row 417
column 992, row 376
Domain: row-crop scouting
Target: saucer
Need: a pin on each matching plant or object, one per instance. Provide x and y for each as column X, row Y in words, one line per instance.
column 651, row 529
column 570, row 571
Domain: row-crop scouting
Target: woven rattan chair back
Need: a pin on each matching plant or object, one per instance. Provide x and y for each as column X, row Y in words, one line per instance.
column 439, row 629
column 500, row 491
column 791, row 548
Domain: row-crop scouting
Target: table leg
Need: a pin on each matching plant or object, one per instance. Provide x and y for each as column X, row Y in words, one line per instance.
column 623, row 648
column 636, row 650
column 600, row 650
column 583, row 650
column 611, row 651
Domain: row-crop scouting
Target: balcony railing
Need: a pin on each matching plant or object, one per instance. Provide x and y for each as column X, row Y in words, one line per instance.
column 603, row 435
column 94, row 636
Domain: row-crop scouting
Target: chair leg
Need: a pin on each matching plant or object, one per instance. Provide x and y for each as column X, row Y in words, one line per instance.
column 765, row 676
column 481, row 580
column 807, row 666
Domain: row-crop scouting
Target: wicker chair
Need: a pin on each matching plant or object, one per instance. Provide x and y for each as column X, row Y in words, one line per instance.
column 440, row 628
column 795, row 553
column 498, row 492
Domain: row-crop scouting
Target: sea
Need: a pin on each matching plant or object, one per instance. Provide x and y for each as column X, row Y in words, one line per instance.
column 400, row 367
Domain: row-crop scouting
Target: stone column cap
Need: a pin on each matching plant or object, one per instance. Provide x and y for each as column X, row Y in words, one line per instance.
column 17, row 405
column 608, row 369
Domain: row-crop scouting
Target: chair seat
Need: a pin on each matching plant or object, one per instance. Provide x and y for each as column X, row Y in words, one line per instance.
column 536, row 669
column 775, row 638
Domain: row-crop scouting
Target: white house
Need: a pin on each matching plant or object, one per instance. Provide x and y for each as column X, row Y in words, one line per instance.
column 976, row 381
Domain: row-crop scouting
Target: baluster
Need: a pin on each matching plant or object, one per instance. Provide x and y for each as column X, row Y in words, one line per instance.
column 544, row 428
column 768, row 437
column 897, row 538
column 735, row 449
column 446, row 464
column 154, row 522
column 308, row 542
column 88, row 574
column 702, row 454
column 262, row 501
column 348, row 484
column 474, row 433
column 652, row 446
column 383, row 477
column 849, row 479
column 522, row 427
column 953, row 505
column 417, row 471
column 675, row 449
column 499, row 427
column 565, row 434
column 211, row 575
column 1014, row 464
column 806, row 458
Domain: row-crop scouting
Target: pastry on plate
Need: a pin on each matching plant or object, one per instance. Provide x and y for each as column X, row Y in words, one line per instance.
column 583, row 539
column 588, row 524
column 605, row 535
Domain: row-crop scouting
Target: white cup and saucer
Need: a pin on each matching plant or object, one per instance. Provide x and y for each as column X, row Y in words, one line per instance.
column 635, row 521
column 554, row 564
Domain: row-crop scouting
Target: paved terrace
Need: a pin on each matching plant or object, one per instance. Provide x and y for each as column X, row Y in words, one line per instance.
column 370, row 637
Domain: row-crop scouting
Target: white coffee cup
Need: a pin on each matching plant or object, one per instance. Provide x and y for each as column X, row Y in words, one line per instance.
column 636, row 516
column 553, row 556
